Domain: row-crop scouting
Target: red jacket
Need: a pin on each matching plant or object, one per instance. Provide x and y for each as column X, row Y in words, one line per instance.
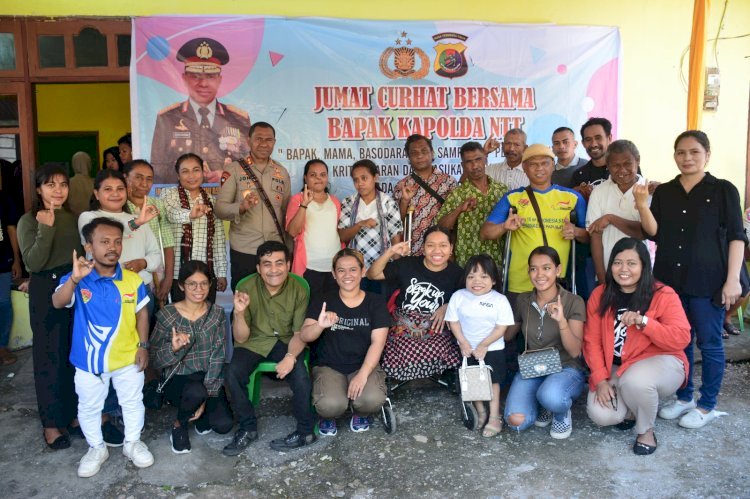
column 666, row 333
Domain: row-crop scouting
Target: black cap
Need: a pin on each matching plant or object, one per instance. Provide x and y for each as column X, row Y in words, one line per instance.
column 203, row 55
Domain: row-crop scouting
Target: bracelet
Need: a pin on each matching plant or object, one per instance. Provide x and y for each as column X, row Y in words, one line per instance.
column 132, row 224
column 74, row 281
column 303, row 206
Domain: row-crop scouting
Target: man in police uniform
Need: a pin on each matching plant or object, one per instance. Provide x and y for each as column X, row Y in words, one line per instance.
column 202, row 125
column 241, row 202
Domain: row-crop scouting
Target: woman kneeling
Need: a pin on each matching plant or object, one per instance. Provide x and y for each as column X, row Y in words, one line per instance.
column 188, row 343
column 352, row 325
column 635, row 357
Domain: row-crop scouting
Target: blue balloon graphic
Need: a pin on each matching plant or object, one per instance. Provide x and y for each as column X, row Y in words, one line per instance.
column 157, row 48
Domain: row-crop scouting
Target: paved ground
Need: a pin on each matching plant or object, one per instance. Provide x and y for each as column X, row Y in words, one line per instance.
column 430, row 455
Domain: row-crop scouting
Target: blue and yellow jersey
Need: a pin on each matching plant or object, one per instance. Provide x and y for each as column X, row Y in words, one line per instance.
column 555, row 205
column 105, row 337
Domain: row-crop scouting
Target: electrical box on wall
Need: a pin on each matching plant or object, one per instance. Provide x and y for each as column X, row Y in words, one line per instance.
column 711, row 93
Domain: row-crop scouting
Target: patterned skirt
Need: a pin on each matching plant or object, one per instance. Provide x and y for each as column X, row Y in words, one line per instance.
column 410, row 354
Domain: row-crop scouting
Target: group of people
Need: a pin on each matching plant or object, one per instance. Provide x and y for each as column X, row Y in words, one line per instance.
column 376, row 299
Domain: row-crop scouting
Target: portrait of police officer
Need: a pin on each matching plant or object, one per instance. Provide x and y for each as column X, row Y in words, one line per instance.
column 215, row 131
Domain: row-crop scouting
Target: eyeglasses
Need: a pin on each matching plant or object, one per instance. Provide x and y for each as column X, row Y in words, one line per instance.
column 193, row 285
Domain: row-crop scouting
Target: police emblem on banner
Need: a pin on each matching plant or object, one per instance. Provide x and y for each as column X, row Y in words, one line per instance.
column 401, row 61
column 450, row 60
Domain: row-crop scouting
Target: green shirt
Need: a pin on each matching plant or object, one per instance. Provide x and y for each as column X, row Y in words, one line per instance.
column 272, row 318
column 159, row 225
column 468, row 242
column 46, row 248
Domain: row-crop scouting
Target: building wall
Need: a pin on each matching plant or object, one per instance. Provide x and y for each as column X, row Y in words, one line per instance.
column 85, row 107
column 655, row 37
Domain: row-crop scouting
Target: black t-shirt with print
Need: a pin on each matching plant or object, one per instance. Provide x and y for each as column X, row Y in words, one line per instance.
column 422, row 290
column 622, row 302
column 343, row 346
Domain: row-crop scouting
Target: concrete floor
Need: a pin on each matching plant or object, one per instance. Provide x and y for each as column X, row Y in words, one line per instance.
column 430, row 455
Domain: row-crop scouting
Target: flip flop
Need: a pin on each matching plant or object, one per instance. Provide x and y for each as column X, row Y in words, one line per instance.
column 732, row 329
column 490, row 431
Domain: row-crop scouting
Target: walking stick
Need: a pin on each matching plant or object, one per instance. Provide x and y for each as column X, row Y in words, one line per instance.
column 506, row 260
column 573, row 220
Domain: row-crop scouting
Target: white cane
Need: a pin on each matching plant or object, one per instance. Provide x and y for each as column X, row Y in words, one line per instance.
column 407, row 223
column 573, row 220
column 506, row 260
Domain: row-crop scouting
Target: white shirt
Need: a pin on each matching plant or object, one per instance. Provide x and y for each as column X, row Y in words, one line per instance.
column 321, row 237
column 211, row 106
column 607, row 198
column 478, row 315
column 512, row 177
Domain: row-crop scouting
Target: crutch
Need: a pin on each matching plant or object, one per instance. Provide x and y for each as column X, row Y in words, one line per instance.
column 408, row 225
column 573, row 220
column 506, row 260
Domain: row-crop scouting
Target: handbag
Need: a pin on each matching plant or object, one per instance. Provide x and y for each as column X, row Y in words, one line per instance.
column 476, row 383
column 536, row 363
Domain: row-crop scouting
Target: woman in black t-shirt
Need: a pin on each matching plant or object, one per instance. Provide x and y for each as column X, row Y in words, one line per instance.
column 420, row 344
column 352, row 325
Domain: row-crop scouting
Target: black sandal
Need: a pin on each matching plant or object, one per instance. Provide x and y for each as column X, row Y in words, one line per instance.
column 730, row 328
column 641, row 449
column 60, row 443
column 626, row 424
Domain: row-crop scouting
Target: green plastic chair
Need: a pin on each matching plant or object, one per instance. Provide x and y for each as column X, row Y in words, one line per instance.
column 253, row 385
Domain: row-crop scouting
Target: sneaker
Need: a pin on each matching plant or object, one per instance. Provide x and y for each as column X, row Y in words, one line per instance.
column 92, row 462
column 696, row 419
column 242, row 439
column 180, row 440
column 543, row 419
column 562, row 429
column 294, row 440
column 360, row 424
column 113, row 437
column 138, row 453
column 327, row 427
column 202, row 427
column 676, row 409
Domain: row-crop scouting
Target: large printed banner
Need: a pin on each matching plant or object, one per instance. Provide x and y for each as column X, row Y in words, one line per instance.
column 343, row 90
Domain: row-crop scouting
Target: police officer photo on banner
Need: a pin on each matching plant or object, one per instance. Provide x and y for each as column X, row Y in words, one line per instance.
column 217, row 132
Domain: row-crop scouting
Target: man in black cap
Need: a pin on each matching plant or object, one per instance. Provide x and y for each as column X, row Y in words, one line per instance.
column 202, row 125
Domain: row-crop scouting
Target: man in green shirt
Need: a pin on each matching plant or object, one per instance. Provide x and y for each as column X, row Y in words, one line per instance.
column 467, row 207
column 269, row 309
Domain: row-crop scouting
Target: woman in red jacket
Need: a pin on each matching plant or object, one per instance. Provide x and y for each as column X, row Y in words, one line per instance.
column 633, row 342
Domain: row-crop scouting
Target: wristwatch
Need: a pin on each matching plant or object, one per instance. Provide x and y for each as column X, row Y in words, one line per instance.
column 644, row 321
column 144, row 344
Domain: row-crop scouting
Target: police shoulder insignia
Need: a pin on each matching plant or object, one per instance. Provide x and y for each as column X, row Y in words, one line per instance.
column 169, row 108
column 237, row 110
column 224, row 176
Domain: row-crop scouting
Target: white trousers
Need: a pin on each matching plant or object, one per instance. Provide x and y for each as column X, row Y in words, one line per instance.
column 92, row 391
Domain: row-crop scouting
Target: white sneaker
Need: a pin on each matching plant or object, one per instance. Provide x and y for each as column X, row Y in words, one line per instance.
column 138, row 453
column 543, row 418
column 696, row 419
column 676, row 409
column 92, row 462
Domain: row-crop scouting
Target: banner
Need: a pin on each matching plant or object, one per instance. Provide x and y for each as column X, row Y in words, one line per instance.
column 344, row 90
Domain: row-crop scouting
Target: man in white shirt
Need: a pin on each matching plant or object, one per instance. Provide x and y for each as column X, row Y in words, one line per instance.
column 564, row 146
column 509, row 172
column 611, row 213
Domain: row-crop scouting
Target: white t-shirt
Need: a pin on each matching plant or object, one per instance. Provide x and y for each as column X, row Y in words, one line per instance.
column 321, row 237
column 478, row 315
column 607, row 198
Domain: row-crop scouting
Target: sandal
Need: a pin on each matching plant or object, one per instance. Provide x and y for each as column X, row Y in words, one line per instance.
column 641, row 449
column 7, row 357
column 490, row 431
column 724, row 335
column 626, row 424
column 61, row 442
column 731, row 329
column 481, row 419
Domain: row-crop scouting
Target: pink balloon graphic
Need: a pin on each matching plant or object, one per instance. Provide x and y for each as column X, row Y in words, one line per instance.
column 159, row 39
column 562, row 69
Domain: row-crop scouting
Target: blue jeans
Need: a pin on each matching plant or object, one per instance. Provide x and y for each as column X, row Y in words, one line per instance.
column 6, row 309
column 555, row 392
column 706, row 322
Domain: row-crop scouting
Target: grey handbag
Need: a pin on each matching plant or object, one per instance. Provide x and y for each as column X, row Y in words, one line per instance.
column 476, row 383
column 536, row 363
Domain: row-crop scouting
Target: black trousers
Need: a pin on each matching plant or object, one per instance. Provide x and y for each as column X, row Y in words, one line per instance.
column 320, row 282
column 242, row 265
column 237, row 376
column 53, row 373
column 187, row 392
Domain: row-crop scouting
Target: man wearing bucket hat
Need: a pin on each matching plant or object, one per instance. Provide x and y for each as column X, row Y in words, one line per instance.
column 216, row 132
column 555, row 203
